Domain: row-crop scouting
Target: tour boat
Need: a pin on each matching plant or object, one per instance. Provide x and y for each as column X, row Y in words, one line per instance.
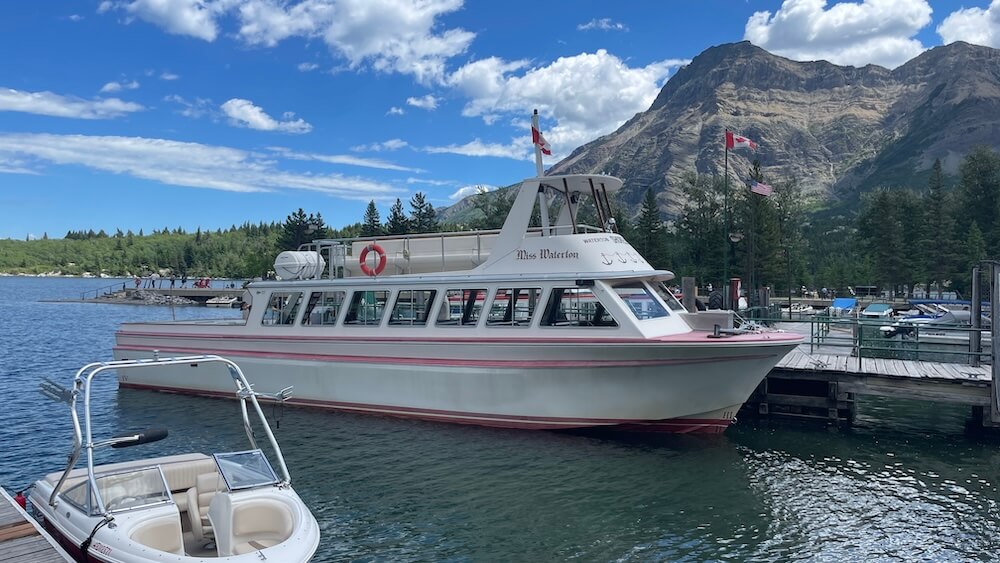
column 186, row 508
column 551, row 325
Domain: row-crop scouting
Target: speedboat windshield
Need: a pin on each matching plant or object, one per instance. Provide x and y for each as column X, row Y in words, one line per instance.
column 245, row 470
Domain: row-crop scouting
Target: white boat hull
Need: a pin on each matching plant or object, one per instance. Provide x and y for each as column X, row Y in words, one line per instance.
column 682, row 387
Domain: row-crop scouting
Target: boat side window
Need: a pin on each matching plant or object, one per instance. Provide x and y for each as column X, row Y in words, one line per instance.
column 514, row 306
column 324, row 308
column 78, row 498
column 133, row 489
column 461, row 307
column 575, row 306
column 282, row 308
column 643, row 304
column 668, row 296
column 412, row 308
column 366, row 308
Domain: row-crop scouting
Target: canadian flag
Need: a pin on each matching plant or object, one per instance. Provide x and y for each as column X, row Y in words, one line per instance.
column 734, row 141
column 540, row 142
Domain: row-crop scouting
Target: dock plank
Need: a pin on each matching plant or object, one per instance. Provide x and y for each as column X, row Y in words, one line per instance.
column 22, row 540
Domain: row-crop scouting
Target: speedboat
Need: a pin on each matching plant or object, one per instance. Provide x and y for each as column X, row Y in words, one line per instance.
column 555, row 322
column 188, row 508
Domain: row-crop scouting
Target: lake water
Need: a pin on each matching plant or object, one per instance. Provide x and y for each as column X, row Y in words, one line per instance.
column 904, row 483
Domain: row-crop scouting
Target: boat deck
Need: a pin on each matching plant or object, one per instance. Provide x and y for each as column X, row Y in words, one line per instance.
column 22, row 540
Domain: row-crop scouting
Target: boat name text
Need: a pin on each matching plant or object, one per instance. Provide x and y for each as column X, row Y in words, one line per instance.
column 613, row 238
column 546, row 254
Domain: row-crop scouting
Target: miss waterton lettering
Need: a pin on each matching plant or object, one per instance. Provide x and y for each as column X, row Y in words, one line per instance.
column 546, row 254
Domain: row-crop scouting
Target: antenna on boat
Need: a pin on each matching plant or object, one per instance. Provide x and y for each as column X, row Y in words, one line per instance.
column 56, row 392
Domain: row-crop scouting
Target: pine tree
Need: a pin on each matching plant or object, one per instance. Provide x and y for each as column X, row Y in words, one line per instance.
column 299, row 229
column 423, row 218
column 649, row 239
column 397, row 223
column 372, row 226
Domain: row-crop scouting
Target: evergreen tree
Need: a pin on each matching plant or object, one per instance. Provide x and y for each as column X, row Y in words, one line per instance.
column 397, row 223
column 700, row 229
column 423, row 218
column 649, row 239
column 938, row 246
column 493, row 207
column 979, row 193
column 372, row 225
column 300, row 229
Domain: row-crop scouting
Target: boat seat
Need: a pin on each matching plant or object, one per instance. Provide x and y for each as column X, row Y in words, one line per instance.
column 259, row 524
column 163, row 534
column 199, row 497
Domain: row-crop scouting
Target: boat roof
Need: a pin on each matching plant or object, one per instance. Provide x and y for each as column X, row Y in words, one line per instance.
column 844, row 302
column 466, row 277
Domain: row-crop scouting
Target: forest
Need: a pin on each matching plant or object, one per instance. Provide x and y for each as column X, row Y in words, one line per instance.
column 896, row 238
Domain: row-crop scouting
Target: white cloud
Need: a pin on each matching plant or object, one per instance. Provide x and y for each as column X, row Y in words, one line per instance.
column 14, row 166
column 612, row 93
column 195, row 18
column 184, row 164
column 105, row 6
column 74, row 17
column 603, row 24
column 395, row 111
column 973, row 25
column 390, row 145
column 848, row 33
column 166, row 75
column 516, row 150
column 119, row 86
column 431, row 182
column 192, row 108
column 349, row 160
column 306, row 67
column 244, row 113
column 427, row 102
column 466, row 191
column 47, row 103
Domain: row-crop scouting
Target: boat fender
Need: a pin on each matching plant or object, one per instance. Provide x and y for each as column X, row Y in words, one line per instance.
column 20, row 500
column 368, row 270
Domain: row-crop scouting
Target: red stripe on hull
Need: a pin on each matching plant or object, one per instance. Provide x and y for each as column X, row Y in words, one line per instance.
column 699, row 336
column 444, row 362
column 673, row 425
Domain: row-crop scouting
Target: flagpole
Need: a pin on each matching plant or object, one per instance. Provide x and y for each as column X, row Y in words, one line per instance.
column 543, row 201
column 725, row 234
column 538, row 149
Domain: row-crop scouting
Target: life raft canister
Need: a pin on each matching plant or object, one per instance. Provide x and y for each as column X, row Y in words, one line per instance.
column 369, row 271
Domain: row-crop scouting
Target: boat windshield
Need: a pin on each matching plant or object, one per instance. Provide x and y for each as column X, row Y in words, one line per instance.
column 127, row 490
column 640, row 300
column 245, row 470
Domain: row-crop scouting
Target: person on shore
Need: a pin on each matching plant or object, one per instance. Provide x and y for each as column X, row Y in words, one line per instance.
column 138, row 282
column 184, row 280
column 173, row 278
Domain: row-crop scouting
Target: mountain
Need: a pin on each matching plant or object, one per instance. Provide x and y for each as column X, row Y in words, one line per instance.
column 837, row 130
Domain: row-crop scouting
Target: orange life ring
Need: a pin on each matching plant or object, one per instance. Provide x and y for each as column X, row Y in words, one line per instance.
column 364, row 262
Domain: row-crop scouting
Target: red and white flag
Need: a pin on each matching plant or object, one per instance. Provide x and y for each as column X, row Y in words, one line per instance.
column 759, row 188
column 540, row 142
column 734, row 141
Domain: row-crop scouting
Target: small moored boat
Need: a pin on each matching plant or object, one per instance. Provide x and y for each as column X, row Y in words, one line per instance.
column 182, row 508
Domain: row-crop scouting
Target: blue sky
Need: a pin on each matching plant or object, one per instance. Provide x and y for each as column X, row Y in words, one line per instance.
column 145, row 114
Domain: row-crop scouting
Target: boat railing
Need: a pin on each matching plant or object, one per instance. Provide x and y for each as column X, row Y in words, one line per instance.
column 423, row 252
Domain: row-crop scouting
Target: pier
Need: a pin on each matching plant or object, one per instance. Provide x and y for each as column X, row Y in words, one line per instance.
column 822, row 377
column 23, row 540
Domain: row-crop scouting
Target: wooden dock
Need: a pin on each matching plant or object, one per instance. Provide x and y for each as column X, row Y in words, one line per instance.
column 824, row 385
column 22, row 540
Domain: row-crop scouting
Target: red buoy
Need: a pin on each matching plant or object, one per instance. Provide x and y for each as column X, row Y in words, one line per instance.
column 20, row 500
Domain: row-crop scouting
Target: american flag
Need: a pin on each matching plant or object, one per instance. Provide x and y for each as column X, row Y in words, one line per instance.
column 759, row 188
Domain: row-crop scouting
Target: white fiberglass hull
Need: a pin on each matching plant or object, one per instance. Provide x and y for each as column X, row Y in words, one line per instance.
column 687, row 384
